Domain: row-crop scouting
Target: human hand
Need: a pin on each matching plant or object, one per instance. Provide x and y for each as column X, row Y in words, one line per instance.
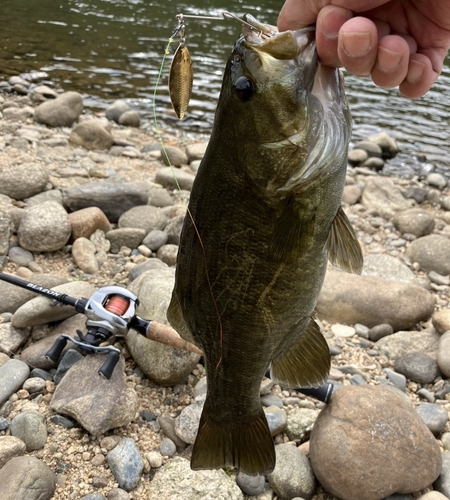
column 396, row 42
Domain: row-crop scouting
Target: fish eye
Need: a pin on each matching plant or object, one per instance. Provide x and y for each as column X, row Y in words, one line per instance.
column 244, row 88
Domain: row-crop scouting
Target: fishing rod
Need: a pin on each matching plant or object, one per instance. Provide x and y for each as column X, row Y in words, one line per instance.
column 111, row 312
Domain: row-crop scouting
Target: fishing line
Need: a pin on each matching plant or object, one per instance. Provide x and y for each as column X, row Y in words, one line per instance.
column 163, row 149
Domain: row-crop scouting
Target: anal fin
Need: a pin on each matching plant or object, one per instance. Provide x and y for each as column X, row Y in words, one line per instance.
column 344, row 250
column 306, row 363
column 244, row 443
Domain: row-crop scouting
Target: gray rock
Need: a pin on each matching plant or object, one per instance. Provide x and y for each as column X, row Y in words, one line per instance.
column 44, row 228
column 10, row 447
column 176, row 475
column 434, row 416
column 163, row 364
column 12, row 338
column 389, row 147
column 373, row 163
column 69, row 359
column 414, row 221
column 382, row 195
column 113, row 199
column 118, row 494
column 443, row 358
column 24, row 180
column 160, row 197
column 5, row 233
column 155, row 239
column 171, row 155
column 83, row 253
column 432, row 495
column 35, row 384
column 397, row 379
column 18, row 114
column 126, row 464
column 148, row 265
column 60, row 112
column 167, row 425
column 118, row 108
column 293, row 475
column 130, row 237
column 368, row 443
column 168, row 254
column 144, row 217
column 418, row 367
column 96, row 403
column 272, row 400
column 371, row 147
column 431, row 252
column 174, row 178
column 93, row 496
column 196, row 151
column 438, row 279
column 31, row 428
column 167, row 447
column 20, row 256
column 351, row 194
column 173, row 230
column 41, row 310
column 402, row 343
column 377, row 332
column 27, row 478
column 436, row 180
column 442, row 483
column 130, row 118
column 276, row 418
column 300, row 422
column 250, row 485
column 186, row 425
column 348, row 298
column 12, row 375
column 357, row 156
column 92, row 135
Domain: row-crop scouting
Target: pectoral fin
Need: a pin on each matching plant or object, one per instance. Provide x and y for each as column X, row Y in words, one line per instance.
column 291, row 236
column 306, row 363
column 343, row 247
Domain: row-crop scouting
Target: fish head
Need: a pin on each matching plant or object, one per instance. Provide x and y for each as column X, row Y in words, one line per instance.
column 280, row 100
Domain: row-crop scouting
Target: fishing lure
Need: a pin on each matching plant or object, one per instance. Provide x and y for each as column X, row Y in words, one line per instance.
column 181, row 74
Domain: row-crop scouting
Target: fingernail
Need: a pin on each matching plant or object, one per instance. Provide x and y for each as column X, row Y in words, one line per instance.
column 332, row 20
column 356, row 44
column 390, row 60
column 415, row 71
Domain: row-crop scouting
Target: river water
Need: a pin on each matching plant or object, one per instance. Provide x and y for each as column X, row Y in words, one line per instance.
column 110, row 49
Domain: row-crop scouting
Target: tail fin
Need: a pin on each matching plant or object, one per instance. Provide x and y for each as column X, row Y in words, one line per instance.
column 246, row 445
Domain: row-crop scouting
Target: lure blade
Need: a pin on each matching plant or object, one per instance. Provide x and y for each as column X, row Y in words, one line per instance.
column 180, row 80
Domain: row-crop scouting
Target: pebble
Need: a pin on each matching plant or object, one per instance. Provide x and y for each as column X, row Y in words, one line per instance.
column 174, row 178
column 167, row 448
column 377, row 332
column 10, row 447
column 83, row 253
column 60, row 112
column 436, row 180
column 30, row 426
column 417, row 366
column 20, row 256
column 398, row 379
column 277, row 419
column 442, row 483
column 342, row 330
column 126, row 464
column 432, row 253
column 434, row 416
column 34, row 384
column 250, row 485
column 12, row 375
column 300, row 422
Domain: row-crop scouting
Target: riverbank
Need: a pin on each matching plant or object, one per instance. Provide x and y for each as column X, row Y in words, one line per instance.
column 89, row 201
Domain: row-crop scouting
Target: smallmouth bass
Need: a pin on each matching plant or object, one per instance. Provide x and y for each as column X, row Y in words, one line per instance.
column 264, row 217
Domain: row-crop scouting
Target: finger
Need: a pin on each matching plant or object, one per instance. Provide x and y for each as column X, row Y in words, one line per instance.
column 419, row 78
column 392, row 62
column 296, row 14
column 329, row 22
column 358, row 46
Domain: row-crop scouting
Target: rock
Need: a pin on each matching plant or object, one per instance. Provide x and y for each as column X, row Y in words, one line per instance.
column 397, row 379
column 160, row 197
column 12, row 375
column 144, row 217
column 379, row 331
column 389, row 147
column 443, row 358
column 434, row 416
column 96, row 403
column 418, row 367
column 125, row 237
column 174, row 178
column 130, row 118
column 186, row 425
column 163, row 364
column 18, row 114
column 351, row 194
column 431, row 252
column 116, row 110
column 91, row 134
column 113, row 199
column 88, row 220
column 343, row 331
column 433, row 495
column 373, row 163
column 167, row 447
column 52, row 195
column 20, row 256
column 60, row 112
column 276, row 419
column 31, row 428
column 372, row 148
column 41, row 310
column 44, row 228
column 10, row 447
column 34, row 384
column 401, row 343
column 368, row 443
column 5, row 233
column 351, row 299
column 250, row 485
column 24, row 180
column 83, row 253
column 154, row 459
column 173, row 230
column 357, row 156
column 126, row 464
column 442, row 483
column 293, row 475
column 171, row 155
column 155, row 239
column 27, row 478
column 382, row 195
column 176, row 475
column 414, row 221
column 436, row 180
column 35, row 353
column 168, row 254
column 300, row 422
column 12, row 338
column 196, row 151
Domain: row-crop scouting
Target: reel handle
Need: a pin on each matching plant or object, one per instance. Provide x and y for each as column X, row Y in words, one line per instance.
column 106, row 370
column 56, row 350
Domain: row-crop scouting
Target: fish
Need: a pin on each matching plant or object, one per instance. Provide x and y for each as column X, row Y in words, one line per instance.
column 263, row 219
column 181, row 77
